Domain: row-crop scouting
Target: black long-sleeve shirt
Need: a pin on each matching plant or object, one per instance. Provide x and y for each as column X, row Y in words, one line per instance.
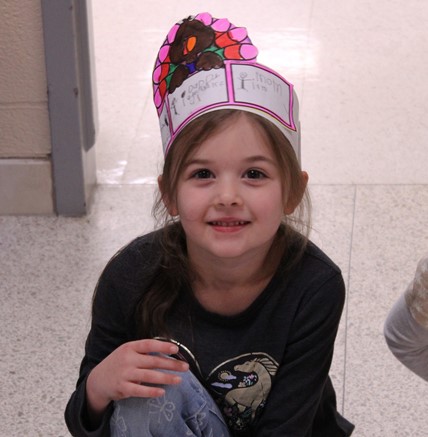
column 266, row 367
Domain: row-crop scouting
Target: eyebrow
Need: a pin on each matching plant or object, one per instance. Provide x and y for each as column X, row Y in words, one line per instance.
column 249, row 160
column 260, row 158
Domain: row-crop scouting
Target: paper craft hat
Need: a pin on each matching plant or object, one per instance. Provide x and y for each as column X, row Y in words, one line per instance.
column 206, row 64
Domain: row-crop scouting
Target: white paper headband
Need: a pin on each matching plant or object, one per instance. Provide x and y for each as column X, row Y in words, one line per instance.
column 206, row 64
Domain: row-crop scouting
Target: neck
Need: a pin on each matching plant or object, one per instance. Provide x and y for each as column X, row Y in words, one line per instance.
column 229, row 290
column 225, row 274
column 227, row 286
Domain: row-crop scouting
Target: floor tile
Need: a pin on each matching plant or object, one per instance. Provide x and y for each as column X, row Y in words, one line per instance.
column 390, row 235
column 52, row 266
column 358, row 16
column 145, row 158
column 120, row 106
column 332, row 223
column 362, row 116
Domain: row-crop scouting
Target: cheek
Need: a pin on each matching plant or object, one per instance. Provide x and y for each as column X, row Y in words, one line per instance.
column 189, row 207
column 271, row 204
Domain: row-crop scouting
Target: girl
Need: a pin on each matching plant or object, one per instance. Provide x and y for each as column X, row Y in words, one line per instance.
column 223, row 322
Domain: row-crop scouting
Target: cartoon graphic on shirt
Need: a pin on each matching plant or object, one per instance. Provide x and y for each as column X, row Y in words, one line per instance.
column 240, row 386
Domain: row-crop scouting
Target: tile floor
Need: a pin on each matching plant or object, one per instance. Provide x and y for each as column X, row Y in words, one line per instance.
column 360, row 70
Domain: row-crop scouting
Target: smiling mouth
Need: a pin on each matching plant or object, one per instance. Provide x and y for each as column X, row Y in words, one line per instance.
column 229, row 224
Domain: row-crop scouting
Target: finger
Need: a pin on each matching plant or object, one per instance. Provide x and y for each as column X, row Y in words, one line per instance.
column 147, row 346
column 137, row 390
column 148, row 376
column 162, row 362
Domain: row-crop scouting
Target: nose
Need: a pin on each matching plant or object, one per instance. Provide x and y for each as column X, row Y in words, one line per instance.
column 228, row 194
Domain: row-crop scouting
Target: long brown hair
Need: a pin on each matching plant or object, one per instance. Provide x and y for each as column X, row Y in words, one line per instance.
column 174, row 274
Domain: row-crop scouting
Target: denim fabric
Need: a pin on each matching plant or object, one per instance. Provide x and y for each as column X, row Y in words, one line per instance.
column 185, row 410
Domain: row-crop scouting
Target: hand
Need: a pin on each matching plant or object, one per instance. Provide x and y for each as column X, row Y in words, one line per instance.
column 126, row 371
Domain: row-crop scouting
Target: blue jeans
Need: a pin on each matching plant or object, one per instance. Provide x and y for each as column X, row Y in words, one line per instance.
column 185, row 410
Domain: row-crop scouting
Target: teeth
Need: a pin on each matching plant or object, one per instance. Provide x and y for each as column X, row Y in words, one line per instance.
column 227, row 224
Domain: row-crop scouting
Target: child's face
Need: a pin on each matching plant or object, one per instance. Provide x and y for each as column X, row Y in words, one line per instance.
column 230, row 197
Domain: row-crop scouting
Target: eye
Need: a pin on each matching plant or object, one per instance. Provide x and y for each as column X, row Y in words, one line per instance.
column 254, row 174
column 190, row 43
column 202, row 174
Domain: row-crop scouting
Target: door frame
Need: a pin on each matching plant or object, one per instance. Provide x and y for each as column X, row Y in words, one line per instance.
column 67, row 26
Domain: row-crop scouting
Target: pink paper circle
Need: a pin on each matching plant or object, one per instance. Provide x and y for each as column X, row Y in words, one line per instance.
column 248, row 51
column 238, row 33
column 171, row 35
column 163, row 53
column 205, row 17
column 221, row 25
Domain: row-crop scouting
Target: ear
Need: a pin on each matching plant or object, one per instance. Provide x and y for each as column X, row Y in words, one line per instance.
column 295, row 198
column 169, row 205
